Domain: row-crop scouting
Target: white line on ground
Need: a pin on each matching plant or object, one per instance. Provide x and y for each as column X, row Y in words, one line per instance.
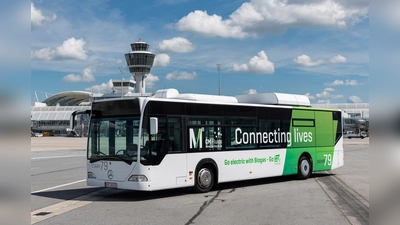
column 66, row 206
column 53, row 157
column 63, row 185
column 70, row 163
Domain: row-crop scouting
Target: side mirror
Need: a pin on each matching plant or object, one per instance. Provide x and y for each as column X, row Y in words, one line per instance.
column 153, row 125
column 72, row 118
column 71, row 122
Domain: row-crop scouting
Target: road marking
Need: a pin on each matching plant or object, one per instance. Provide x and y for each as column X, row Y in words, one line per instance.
column 70, row 163
column 62, row 185
column 54, row 157
column 63, row 207
column 353, row 206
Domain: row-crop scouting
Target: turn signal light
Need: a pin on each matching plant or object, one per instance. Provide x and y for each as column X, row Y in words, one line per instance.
column 138, row 178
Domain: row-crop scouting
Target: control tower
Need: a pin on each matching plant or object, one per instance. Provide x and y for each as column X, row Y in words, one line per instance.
column 140, row 60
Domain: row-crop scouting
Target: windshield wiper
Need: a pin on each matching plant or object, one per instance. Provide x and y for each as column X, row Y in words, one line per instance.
column 98, row 158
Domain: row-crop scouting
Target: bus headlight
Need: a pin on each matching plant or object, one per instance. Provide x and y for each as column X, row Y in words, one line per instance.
column 91, row 175
column 138, row 178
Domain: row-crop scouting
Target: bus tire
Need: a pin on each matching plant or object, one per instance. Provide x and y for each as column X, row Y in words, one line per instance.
column 204, row 179
column 304, row 168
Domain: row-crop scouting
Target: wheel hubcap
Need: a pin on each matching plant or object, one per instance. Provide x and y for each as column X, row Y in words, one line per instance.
column 305, row 167
column 204, row 177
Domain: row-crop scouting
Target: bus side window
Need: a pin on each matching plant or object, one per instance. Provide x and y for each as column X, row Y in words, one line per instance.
column 175, row 134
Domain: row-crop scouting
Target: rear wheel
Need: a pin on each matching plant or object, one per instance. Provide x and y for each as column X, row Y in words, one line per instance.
column 204, row 179
column 304, row 168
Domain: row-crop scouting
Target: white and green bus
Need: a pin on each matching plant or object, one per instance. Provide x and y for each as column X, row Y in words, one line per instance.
column 173, row 140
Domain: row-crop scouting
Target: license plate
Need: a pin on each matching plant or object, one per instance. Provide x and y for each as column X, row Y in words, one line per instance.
column 111, row 185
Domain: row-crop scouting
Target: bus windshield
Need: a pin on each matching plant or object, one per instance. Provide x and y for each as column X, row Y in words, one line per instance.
column 113, row 139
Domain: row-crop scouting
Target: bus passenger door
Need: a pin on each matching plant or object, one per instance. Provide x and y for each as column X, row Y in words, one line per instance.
column 171, row 170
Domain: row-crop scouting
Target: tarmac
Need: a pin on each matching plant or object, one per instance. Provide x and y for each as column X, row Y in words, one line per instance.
column 58, row 143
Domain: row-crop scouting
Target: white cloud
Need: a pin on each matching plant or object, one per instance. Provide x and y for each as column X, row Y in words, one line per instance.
column 305, row 60
column 257, row 65
column 181, row 76
column 102, row 88
column 161, row 60
column 352, row 83
column 178, row 44
column 70, row 49
column 338, row 59
column 341, row 82
column 86, row 76
column 324, row 101
column 37, row 16
column 151, row 80
column 335, row 83
column 354, row 99
column 337, row 96
column 309, row 95
column 260, row 16
column 324, row 94
column 210, row 25
column 328, row 94
column 329, row 89
column 251, row 91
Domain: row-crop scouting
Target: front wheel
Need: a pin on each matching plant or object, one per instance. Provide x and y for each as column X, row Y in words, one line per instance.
column 304, row 168
column 204, row 179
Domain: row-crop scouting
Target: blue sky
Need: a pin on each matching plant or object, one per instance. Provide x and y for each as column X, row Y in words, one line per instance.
column 318, row 47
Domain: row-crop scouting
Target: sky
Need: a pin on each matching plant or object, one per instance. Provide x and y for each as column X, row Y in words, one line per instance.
column 318, row 48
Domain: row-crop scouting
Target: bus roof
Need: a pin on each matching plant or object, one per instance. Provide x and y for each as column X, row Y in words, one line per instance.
column 275, row 99
column 263, row 98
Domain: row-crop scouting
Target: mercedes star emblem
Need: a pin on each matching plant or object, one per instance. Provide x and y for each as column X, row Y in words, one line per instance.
column 110, row 174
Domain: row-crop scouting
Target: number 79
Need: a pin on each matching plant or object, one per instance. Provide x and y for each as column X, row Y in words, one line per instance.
column 328, row 159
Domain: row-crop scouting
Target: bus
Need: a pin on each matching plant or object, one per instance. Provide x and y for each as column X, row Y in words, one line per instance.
column 173, row 140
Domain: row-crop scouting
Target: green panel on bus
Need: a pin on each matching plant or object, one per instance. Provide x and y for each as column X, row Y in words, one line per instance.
column 326, row 137
column 302, row 129
column 292, row 157
column 323, row 158
column 303, row 114
column 324, row 123
column 303, row 138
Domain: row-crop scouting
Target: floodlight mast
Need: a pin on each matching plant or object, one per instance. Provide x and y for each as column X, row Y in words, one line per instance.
column 139, row 61
column 122, row 81
column 219, row 78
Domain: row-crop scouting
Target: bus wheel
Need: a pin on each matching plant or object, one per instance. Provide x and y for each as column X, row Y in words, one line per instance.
column 304, row 168
column 204, row 179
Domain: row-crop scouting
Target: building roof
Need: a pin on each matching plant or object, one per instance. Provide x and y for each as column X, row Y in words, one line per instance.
column 68, row 98
column 56, row 113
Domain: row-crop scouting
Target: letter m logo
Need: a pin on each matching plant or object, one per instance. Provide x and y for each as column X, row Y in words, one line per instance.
column 195, row 142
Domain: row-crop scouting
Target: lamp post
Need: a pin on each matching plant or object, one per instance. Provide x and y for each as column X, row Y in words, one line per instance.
column 219, row 78
column 121, row 70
